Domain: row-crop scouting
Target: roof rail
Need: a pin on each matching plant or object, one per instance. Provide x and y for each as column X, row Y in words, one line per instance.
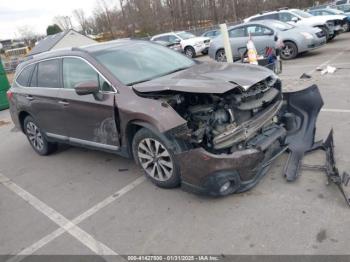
column 283, row 8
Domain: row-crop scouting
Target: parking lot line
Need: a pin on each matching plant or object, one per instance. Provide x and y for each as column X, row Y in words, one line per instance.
column 58, row 232
column 335, row 110
column 66, row 225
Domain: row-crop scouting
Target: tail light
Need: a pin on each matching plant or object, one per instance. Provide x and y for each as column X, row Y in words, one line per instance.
column 9, row 95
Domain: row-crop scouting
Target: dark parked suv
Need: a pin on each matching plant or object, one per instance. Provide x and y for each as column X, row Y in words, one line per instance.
column 214, row 127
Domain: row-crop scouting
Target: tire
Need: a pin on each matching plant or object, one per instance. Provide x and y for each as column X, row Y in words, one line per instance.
column 158, row 165
column 220, row 56
column 37, row 138
column 190, row 52
column 326, row 33
column 289, row 51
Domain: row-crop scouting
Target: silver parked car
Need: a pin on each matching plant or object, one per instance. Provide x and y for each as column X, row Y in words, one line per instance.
column 296, row 39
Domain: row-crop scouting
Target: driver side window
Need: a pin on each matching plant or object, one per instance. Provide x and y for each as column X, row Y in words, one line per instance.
column 174, row 39
column 76, row 70
column 285, row 17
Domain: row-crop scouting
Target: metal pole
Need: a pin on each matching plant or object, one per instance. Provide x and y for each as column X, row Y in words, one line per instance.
column 227, row 44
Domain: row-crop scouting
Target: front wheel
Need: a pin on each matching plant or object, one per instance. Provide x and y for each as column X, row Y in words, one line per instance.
column 154, row 155
column 289, row 51
column 37, row 138
column 190, row 52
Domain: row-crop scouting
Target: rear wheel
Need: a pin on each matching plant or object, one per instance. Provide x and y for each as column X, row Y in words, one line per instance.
column 289, row 51
column 37, row 138
column 220, row 56
column 155, row 156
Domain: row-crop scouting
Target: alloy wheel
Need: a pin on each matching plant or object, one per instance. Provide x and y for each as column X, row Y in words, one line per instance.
column 221, row 56
column 155, row 159
column 189, row 52
column 35, row 136
column 288, row 51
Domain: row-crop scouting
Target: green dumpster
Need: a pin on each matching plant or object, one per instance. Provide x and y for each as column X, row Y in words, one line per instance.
column 4, row 86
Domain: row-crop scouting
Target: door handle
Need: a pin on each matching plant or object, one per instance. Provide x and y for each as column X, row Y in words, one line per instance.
column 29, row 97
column 63, row 102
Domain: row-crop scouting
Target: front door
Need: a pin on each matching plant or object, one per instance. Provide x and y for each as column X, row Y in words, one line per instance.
column 89, row 119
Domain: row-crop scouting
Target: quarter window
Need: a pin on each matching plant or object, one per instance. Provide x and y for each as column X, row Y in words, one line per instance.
column 48, row 74
column 23, row 78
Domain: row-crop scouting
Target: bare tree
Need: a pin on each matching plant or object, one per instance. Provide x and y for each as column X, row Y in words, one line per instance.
column 105, row 11
column 79, row 15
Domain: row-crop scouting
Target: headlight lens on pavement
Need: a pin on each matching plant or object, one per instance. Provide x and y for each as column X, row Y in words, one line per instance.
column 307, row 35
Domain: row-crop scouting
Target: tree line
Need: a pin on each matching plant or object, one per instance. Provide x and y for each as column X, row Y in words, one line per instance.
column 130, row 18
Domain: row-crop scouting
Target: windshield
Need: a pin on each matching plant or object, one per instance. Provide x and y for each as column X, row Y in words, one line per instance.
column 281, row 26
column 185, row 35
column 141, row 61
column 301, row 13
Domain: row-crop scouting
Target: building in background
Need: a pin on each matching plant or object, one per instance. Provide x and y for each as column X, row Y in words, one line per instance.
column 69, row 38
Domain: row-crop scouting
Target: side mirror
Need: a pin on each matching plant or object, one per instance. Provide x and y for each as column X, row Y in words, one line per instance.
column 295, row 19
column 86, row 88
column 276, row 38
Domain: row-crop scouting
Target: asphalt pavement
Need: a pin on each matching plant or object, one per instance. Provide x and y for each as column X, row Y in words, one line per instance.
column 80, row 201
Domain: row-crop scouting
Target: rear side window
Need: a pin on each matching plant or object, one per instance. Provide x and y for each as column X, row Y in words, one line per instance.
column 237, row 32
column 25, row 75
column 34, row 80
column 49, row 74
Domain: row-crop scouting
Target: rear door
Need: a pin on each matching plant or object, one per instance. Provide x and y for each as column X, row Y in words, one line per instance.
column 238, row 40
column 262, row 37
column 89, row 119
column 40, row 95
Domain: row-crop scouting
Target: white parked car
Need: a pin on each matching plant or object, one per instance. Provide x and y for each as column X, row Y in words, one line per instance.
column 191, row 45
column 331, row 25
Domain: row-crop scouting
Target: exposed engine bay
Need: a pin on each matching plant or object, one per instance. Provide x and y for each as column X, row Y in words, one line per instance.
column 222, row 123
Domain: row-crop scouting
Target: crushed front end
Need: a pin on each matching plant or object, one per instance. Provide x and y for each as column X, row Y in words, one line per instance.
column 233, row 134
column 240, row 156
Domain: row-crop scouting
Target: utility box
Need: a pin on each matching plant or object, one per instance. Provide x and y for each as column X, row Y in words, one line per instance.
column 4, row 86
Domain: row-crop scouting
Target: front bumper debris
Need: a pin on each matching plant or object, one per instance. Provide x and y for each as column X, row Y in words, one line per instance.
column 329, row 167
column 207, row 173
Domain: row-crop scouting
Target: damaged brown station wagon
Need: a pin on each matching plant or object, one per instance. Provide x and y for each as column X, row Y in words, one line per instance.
column 213, row 127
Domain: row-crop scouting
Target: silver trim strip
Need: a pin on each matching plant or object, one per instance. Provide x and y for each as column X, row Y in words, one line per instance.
column 83, row 142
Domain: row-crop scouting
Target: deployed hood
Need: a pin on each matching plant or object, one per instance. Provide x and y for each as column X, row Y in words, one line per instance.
column 215, row 78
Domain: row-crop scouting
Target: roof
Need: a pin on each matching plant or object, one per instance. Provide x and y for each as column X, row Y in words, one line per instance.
column 47, row 43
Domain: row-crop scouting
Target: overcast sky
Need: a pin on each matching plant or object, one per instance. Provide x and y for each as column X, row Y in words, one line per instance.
column 36, row 14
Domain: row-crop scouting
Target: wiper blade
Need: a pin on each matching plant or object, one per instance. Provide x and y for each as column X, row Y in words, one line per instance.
column 149, row 79
column 138, row 82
